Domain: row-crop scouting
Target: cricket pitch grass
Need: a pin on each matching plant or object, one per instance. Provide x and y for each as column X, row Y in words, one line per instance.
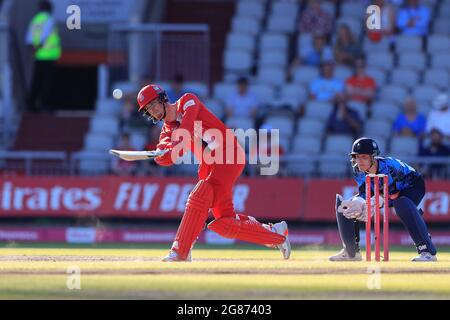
column 227, row 272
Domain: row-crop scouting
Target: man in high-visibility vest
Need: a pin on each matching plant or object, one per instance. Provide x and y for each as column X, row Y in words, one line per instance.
column 43, row 37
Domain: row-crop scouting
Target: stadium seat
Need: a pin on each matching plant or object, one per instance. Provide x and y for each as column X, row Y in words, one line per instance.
column 333, row 169
column 98, row 142
column 380, row 46
column 281, row 24
column 127, row 87
column 407, row 78
column 237, row 60
column 343, row 72
column 380, row 60
column 274, row 41
column 438, row 78
column 353, row 9
column 310, row 128
column 441, row 60
column 109, row 107
column 329, row 7
column 438, row 43
column 385, row 110
column 318, row 110
column 444, row 11
column 264, row 92
column 424, row 108
column 404, row 146
column 284, row 9
column 240, row 41
column 303, row 168
column 240, row 123
column 271, row 75
column 253, row 9
column 414, row 60
column 379, row 75
column 197, row 87
column 248, row 25
column 284, row 124
column 216, row 107
column 394, row 93
column 338, row 144
column 306, row 145
column 407, row 43
column 377, row 128
column 272, row 58
column 304, row 40
column 305, row 74
column 294, row 91
column 222, row 90
column 441, row 26
column 106, row 125
column 425, row 93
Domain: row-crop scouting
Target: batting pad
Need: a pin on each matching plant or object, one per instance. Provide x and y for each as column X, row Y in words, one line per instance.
column 199, row 201
column 248, row 230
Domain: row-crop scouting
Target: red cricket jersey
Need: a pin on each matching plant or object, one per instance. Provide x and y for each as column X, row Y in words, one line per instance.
column 189, row 110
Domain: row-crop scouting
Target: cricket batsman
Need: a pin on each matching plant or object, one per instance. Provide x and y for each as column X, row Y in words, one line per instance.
column 406, row 190
column 214, row 188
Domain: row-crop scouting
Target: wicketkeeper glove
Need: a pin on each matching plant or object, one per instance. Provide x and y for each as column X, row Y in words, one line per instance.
column 356, row 208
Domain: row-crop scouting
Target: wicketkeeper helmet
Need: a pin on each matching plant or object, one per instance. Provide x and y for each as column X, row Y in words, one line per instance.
column 365, row 146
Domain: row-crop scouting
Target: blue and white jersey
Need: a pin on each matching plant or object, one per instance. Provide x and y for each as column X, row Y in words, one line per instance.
column 400, row 176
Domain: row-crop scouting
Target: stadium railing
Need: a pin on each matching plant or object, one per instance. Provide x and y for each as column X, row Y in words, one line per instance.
column 90, row 163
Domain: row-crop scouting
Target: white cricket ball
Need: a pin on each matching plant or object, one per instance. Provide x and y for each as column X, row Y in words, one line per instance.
column 117, row 94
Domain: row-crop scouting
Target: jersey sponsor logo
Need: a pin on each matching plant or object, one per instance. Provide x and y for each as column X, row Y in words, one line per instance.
column 188, row 104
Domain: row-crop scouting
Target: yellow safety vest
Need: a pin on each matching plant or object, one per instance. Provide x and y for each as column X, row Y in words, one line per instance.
column 51, row 48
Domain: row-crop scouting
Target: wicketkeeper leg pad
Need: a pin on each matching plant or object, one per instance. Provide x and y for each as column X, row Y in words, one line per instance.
column 246, row 229
column 199, row 201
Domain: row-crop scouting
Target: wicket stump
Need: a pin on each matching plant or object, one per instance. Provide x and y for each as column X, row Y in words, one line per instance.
column 377, row 219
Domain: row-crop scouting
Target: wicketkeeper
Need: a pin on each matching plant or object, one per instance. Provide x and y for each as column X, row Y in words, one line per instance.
column 214, row 188
column 406, row 190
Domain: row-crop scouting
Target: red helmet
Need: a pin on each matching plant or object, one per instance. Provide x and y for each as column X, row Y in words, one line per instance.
column 149, row 93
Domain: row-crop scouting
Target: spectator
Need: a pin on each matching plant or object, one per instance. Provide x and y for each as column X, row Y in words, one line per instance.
column 121, row 167
column 413, row 19
column 360, row 87
column 344, row 120
column 435, row 148
column 439, row 118
column 176, row 90
column 314, row 54
column 388, row 21
column 42, row 36
column 410, row 123
column 326, row 86
column 315, row 20
column 346, row 48
column 243, row 102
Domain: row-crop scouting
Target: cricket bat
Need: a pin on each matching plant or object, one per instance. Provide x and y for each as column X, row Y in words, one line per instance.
column 137, row 155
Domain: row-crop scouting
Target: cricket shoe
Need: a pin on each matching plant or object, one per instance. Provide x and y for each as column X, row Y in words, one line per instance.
column 424, row 257
column 344, row 256
column 285, row 247
column 173, row 257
